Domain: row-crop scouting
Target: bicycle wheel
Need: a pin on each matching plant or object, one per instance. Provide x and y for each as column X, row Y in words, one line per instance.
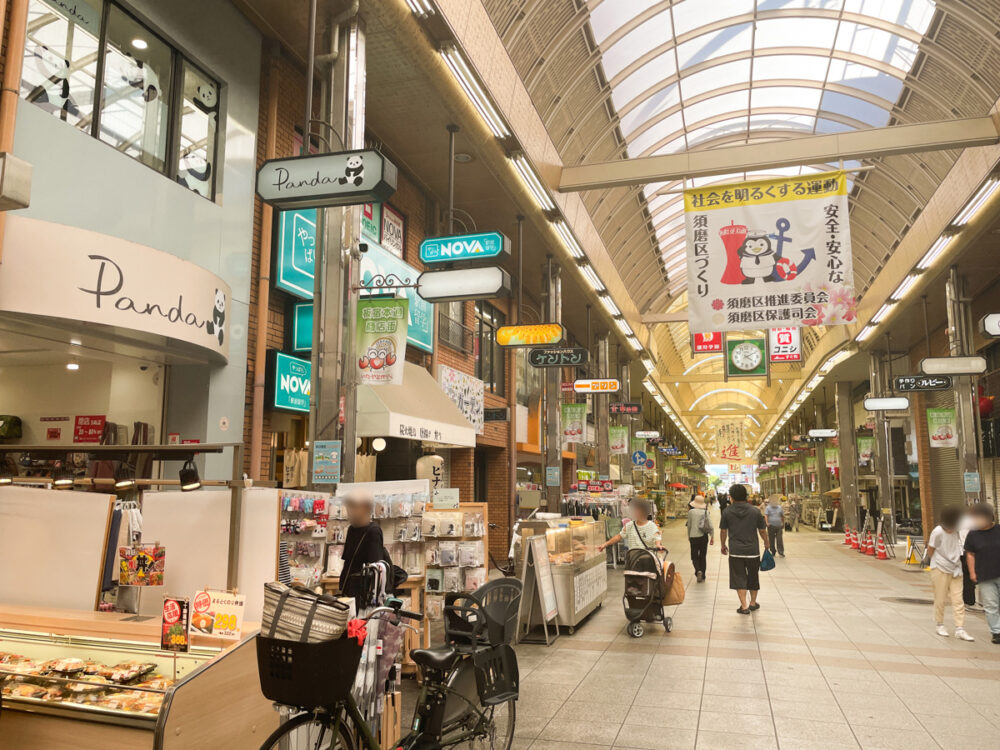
column 498, row 732
column 309, row 731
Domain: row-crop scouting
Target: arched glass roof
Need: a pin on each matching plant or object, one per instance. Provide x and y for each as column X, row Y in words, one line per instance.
column 687, row 74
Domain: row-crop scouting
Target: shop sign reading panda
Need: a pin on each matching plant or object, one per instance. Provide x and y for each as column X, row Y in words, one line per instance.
column 318, row 180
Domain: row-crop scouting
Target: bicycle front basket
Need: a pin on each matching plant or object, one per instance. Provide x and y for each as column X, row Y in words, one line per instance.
column 307, row 675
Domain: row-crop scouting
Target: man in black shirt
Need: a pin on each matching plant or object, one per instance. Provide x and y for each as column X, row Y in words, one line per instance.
column 982, row 551
column 741, row 525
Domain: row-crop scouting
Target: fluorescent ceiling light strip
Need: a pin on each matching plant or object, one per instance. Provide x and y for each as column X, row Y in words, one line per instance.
column 815, row 381
column 700, row 362
column 902, row 289
column 463, row 74
column 568, row 239
column 649, row 386
column 835, row 360
column 591, row 276
column 864, row 333
column 882, row 312
column 533, row 184
column 932, row 255
column 634, row 342
column 610, row 306
column 624, row 327
column 972, row 207
column 421, row 8
column 648, row 364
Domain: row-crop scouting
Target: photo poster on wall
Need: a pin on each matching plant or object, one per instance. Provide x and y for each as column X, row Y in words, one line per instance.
column 467, row 392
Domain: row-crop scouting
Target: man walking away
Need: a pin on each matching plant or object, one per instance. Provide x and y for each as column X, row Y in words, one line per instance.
column 794, row 513
column 700, row 535
column 944, row 549
column 775, row 525
column 982, row 550
column 741, row 525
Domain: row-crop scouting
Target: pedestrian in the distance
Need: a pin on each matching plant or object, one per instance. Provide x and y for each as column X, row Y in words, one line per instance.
column 742, row 525
column 966, row 525
column 944, row 547
column 982, row 549
column 701, row 533
column 775, row 525
column 794, row 513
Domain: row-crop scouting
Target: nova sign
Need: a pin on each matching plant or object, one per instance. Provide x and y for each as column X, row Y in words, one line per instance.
column 481, row 246
column 291, row 382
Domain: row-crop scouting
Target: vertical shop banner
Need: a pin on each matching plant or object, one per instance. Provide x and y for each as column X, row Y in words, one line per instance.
column 381, row 340
column 467, row 392
column 785, row 344
column 729, row 441
column 380, row 269
column 371, row 221
column 618, row 441
column 574, row 422
column 393, row 231
column 941, row 428
column 769, row 252
column 866, row 447
column 638, row 445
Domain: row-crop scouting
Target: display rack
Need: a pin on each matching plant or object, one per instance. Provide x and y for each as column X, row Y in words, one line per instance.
column 304, row 524
column 456, row 550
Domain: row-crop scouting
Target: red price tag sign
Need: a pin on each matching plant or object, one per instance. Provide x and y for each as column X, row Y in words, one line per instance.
column 703, row 343
column 88, row 429
column 171, row 611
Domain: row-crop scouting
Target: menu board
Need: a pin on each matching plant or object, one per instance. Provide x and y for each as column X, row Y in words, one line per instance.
column 543, row 577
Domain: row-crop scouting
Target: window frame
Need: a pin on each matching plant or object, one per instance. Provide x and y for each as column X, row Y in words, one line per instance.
column 497, row 382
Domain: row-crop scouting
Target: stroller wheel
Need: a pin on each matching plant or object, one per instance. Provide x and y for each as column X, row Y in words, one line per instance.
column 668, row 624
column 635, row 629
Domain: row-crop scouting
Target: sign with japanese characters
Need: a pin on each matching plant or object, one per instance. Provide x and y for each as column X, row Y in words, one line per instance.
column 218, row 613
column 729, row 441
column 785, row 345
column 574, row 422
column 558, row 357
column 378, row 267
column 769, row 253
column 941, row 428
column 922, row 382
column 625, row 407
column 88, row 429
column 381, row 341
column 706, row 343
column 618, row 440
column 603, row 385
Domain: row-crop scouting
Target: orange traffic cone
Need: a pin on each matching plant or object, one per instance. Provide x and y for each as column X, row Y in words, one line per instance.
column 854, row 539
column 847, row 535
column 881, row 554
column 870, row 551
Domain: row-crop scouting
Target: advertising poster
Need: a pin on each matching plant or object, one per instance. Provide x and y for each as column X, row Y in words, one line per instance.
column 174, row 624
column 88, row 429
column 729, row 441
column 866, row 448
column 326, row 462
column 769, row 253
column 218, row 613
column 618, row 440
column 381, row 340
column 574, row 422
column 141, row 565
column 705, row 343
column 941, row 428
column 467, row 392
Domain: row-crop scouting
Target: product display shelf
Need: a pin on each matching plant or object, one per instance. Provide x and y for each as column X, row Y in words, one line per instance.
column 579, row 572
column 474, row 520
column 304, row 530
column 208, row 697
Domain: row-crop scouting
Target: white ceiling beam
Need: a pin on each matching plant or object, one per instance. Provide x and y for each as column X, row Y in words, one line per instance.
column 674, row 317
column 814, row 149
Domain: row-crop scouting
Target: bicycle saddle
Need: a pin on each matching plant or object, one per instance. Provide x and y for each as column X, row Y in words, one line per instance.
column 439, row 657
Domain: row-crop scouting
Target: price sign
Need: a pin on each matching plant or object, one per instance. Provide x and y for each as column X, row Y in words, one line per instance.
column 557, row 357
column 174, row 624
column 218, row 613
column 88, row 429
column 922, row 382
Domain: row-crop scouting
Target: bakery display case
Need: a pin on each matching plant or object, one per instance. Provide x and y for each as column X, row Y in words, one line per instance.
column 579, row 572
column 97, row 680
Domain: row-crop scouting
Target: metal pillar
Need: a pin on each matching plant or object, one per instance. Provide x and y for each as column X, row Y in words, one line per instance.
column 338, row 259
column 966, row 411
column 553, row 388
column 882, row 456
column 625, row 461
column 848, row 454
column 601, row 409
column 822, row 475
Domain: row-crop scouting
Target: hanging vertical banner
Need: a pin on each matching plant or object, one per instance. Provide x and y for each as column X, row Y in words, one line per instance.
column 866, row 447
column 769, row 252
column 381, row 340
column 729, row 441
column 467, row 392
column 638, row 445
column 574, row 422
column 618, row 440
column 941, row 428
column 785, row 345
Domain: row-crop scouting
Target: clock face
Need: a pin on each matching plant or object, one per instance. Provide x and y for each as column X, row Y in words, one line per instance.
column 746, row 357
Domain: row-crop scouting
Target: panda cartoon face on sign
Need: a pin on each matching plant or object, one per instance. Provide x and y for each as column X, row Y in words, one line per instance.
column 217, row 323
column 51, row 70
column 354, row 170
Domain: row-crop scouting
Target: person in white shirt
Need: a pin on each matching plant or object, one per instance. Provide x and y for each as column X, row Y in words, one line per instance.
column 944, row 548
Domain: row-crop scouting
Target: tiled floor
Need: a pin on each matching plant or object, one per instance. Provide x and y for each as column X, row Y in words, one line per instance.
column 825, row 663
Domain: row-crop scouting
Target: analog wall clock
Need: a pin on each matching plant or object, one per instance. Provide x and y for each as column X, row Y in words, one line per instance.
column 747, row 357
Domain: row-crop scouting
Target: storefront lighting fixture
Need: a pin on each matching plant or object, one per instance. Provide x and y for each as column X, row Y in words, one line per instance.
column 864, row 333
column 63, row 480
column 890, row 403
column 978, row 200
column 591, row 276
column 753, row 419
column 6, row 479
column 932, row 255
column 421, row 8
column 470, row 85
column 75, row 342
column 624, row 327
column 535, row 187
column 72, row 366
column 882, row 312
column 815, row 382
column 378, row 444
column 634, row 343
column 953, row 365
column 648, row 364
column 568, row 239
column 124, row 480
column 902, row 289
column 189, row 477
column 834, row 360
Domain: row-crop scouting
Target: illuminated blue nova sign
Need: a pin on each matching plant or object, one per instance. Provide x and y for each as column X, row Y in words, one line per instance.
column 459, row 247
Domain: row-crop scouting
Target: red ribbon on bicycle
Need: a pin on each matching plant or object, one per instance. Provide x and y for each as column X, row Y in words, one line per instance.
column 357, row 629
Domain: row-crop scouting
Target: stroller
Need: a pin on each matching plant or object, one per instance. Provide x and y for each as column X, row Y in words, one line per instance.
column 646, row 584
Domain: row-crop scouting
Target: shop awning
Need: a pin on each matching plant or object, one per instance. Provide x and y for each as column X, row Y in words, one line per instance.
column 416, row 410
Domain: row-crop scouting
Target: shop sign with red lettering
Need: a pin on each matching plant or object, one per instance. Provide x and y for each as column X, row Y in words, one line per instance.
column 88, row 429
column 705, row 343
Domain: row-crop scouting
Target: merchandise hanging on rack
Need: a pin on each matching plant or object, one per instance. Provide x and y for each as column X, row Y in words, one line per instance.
column 304, row 517
column 455, row 549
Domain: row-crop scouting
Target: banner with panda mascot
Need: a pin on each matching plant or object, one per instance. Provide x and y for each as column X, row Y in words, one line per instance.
column 769, row 253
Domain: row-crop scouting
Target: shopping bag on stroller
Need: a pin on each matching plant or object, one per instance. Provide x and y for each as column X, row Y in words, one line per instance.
column 675, row 595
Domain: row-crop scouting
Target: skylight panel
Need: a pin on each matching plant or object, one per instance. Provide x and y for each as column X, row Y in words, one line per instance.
column 636, row 43
column 800, row 4
column 715, row 44
column 911, row 14
column 854, row 108
column 796, row 32
column 701, row 135
column 789, row 121
column 693, row 14
column 656, row 133
column 611, row 15
column 877, row 44
column 659, row 102
column 798, row 97
column 660, row 68
column 801, row 67
column 866, row 79
column 715, row 77
column 734, row 102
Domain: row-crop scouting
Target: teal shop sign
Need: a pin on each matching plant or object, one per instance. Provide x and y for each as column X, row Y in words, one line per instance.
column 464, row 247
column 295, row 260
column 380, row 262
column 291, row 382
column 302, row 327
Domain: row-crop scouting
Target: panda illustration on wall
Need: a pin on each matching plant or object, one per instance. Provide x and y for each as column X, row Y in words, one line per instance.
column 194, row 168
column 140, row 76
column 354, row 171
column 52, row 92
column 218, row 316
column 757, row 257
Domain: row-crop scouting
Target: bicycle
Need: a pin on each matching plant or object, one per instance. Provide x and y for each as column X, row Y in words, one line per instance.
column 468, row 694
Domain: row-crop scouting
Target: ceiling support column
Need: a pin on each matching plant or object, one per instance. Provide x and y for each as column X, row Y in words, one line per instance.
column 882, row 456
column 848, row 455
column 553, row 392
column 601, row 409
